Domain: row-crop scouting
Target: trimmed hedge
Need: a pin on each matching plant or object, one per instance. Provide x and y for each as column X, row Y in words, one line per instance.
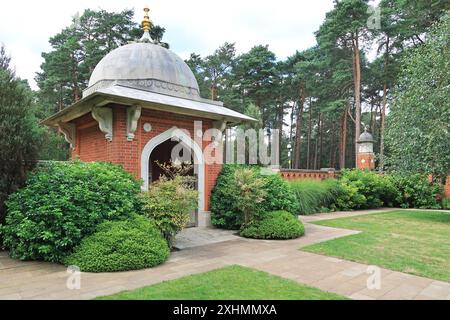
column 64, row 202
column 277, row 225
column 121, row 245
column 224, row 208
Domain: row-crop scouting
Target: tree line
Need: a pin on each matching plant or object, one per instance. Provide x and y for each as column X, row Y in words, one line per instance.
column 319, row 98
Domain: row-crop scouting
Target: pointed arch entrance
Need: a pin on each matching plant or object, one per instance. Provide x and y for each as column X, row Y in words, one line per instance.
column 175, row 134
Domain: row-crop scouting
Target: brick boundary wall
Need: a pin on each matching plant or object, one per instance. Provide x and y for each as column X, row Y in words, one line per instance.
column 447, row 187
column 300, row 174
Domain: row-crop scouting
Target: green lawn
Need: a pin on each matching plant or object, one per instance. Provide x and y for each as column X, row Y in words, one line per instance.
column 229, row 283
column 416, row 242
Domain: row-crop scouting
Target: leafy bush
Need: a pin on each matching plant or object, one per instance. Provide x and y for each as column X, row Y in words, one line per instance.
column 446, row 203
column 363, row 189
column 61, row 204
column 169, row 203
column 315, row 196
column 279, row 196
column 225, row 210
column 132, row 244
column 348, row 197
column 415, row 191
column 274, row 225
column 250, row 188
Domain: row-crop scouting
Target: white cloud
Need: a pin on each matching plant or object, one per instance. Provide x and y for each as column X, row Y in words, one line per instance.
column 192, row 26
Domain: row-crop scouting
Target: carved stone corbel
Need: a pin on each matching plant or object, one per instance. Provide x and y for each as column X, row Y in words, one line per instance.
column 69, row 131
column 220, row 125
column 104, row 117
column 133, row 115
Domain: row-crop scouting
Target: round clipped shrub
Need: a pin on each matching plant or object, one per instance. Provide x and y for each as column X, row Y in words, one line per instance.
column 131, row 244
column 225, row 211
column 274, row 225
column 62, row 203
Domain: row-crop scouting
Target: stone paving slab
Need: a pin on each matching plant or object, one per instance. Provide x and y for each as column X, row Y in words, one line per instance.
column 196, row 237
column 35, row 280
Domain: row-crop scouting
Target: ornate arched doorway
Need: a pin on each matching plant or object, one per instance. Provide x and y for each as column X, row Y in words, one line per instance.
column 160, row 148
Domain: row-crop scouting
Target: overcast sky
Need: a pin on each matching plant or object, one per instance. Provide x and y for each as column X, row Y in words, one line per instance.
column 191, row 26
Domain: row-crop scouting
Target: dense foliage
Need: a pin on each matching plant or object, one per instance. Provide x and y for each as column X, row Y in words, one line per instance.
column 250, row 192
column 274, row 225
column 418, row 134
column 225, row 201
column 415, row 191
column 119, row 246
column 64, row 202
column 372, row 190
column 169, row 203
column 315, row 196
column 361, row 189
column 19, row 142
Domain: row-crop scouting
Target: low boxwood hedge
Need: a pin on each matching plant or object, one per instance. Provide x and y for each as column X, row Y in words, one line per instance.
column 274, row 225
column 121, row 245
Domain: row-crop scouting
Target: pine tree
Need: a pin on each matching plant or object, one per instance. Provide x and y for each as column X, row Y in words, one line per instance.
column 19, row 132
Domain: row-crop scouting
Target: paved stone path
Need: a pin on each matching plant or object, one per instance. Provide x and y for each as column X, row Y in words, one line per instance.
column 36, row 280
column 197, row 237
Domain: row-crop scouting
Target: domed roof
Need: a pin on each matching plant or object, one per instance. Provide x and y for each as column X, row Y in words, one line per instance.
column 366, row 137
column 159, row 67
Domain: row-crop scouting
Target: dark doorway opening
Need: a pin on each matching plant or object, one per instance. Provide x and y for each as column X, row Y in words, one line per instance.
column 162, row 154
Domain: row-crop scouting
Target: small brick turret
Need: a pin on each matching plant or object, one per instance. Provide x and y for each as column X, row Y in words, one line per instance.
column 365, row 157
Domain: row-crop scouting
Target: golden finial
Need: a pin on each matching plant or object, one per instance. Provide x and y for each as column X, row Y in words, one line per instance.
column 146, row 23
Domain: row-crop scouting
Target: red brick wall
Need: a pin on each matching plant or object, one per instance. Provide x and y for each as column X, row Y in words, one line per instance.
column 92, row 145
column 297, row 174
column 447, row 187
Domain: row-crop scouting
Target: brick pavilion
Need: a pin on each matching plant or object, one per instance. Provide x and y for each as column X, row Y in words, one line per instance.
column 140, row 98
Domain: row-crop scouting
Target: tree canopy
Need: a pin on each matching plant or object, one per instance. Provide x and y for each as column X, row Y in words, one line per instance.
column 418, row 130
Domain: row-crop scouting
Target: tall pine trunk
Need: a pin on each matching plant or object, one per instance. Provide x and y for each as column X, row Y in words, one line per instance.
column 298, row 129
column 317, row 142
column 320, row 143
column 343, row 139
column 357, row 85
column 308, row 151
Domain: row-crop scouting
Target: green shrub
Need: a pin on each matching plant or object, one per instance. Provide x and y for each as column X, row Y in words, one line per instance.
column 415, row 191
column 225, row 210
column 348, row 197
column 363, row 189
column 64, row 202
column 315, row 196
column 279, row 196
column 132, row 244
column 446, row 203
column 169, row 204
column 274, row 225
column 251, row 190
